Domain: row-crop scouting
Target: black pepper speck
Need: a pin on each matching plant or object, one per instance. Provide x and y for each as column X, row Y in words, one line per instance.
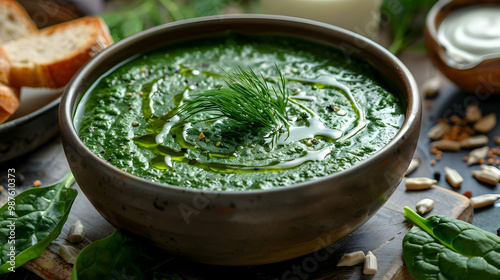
column 437, row 176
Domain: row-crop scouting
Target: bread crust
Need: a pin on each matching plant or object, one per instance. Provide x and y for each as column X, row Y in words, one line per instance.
column 4, row 66
column 21, row 13
column 57, row 74
column 9, row 102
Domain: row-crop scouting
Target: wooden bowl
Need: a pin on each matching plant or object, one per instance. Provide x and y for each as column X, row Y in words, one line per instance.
column 478, row 78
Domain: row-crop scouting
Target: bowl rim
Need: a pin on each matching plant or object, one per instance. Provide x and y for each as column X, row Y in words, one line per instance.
column 66, row 110
column 449, row 7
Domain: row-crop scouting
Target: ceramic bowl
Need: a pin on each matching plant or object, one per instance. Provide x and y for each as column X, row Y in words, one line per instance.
column 249, row 227
column 478, row 78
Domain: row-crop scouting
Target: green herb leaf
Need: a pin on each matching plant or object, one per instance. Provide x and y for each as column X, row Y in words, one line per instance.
column 30, row 221
column 144, row 14
column 246, row 99
column 441, row 247
column 134, row 18
column 407, row 21
column 120, row 256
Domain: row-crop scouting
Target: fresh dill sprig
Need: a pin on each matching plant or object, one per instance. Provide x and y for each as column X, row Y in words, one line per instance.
column 246, row 99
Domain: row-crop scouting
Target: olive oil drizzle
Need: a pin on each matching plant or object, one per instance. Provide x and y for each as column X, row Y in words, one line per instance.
column 328, row 81
column 160, row 126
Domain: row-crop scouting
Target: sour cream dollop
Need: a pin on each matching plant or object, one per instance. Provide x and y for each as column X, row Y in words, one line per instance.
column 470, row 36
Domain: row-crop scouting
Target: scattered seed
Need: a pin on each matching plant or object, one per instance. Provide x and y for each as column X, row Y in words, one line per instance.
column 486, row 176
column 482, row 161
column 352, row 258
column 296, row 90
column 309, row 142
column 111, row 99
column 467, row 194
column 217, row 144
column 133, row 152
column 201, row 136
column 486, row 124
column 432, row 86
column 76, row 232
column 433, row 162
column 497, row 140
column 492, row 169
column 473, row 113
column 420, row 183
column 424, row 206
column 439, row 130
column 128, row 94
column 370, row 266
column 491, row 160
column 413, row 166
column 453, row 177
column 465, row 158
column 135, row 123
column 456, row 120
column 447, row 145
column 68, row 252
column 476, row 155
column 143, row 70
column 37, row 183
column 474, row 141
column 484, row 200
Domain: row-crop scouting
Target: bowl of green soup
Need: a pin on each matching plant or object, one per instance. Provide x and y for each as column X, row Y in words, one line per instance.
column 242, row 139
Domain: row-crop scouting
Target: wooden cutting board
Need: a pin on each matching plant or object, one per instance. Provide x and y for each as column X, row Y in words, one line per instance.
column 382, row 234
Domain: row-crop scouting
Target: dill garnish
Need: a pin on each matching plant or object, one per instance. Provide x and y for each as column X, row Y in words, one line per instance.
column 246, row 99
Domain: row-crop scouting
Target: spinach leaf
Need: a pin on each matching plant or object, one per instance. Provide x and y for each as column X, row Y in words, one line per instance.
column 120, row 256
column 30, row 221
column 441, row 247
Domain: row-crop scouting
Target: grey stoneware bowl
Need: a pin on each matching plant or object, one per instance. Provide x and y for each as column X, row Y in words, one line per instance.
column 249, row 227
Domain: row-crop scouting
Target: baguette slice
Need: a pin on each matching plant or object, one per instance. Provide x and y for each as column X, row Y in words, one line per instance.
column 4, row 67
column 9, row 102
column 14, row 21
column 50, row 57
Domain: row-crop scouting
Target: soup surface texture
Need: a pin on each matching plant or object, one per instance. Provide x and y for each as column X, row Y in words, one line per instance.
column 340, row 114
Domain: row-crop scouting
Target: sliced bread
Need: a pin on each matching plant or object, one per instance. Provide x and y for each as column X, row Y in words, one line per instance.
column 4, row 67
column 9, row 102
column 50, row 57
column 15, row 22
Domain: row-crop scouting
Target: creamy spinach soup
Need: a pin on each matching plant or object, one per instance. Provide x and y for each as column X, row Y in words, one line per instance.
column 338, row 113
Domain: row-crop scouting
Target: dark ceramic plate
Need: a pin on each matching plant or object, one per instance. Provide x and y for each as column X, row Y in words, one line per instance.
column 23, row 135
